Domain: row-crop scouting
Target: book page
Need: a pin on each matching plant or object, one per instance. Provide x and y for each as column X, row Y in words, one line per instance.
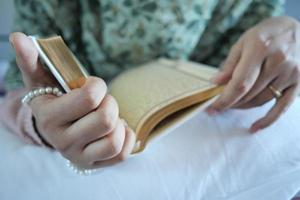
column 155, row 85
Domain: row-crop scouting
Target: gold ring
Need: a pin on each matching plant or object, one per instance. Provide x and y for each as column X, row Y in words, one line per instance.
column 276, row 93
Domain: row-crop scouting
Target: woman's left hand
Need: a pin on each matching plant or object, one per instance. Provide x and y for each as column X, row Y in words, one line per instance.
column 265, row 58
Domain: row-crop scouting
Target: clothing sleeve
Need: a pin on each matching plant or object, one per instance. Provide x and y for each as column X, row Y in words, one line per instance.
column 32, row 17
column 225, row 32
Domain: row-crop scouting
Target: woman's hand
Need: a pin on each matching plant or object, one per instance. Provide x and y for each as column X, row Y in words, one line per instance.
column 84, row 124
column 266, row 55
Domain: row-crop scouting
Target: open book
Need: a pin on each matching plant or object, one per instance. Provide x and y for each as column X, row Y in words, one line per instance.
column 153, row 98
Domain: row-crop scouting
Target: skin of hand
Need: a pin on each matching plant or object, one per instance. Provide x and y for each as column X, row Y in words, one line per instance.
column 267, row 54
column 84, row 124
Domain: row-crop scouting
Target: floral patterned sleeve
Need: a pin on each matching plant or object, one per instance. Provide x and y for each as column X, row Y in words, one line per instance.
column 224, row 33
column 35, row 17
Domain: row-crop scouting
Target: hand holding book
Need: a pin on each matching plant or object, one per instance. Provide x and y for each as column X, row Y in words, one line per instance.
column 84, row 124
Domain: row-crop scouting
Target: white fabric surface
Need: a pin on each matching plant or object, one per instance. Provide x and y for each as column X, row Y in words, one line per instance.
column 206, row 158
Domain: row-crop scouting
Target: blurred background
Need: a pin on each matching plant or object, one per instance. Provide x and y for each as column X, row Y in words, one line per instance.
column 6, row 19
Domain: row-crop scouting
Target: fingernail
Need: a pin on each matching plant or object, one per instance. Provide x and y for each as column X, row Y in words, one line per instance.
column 211, row 111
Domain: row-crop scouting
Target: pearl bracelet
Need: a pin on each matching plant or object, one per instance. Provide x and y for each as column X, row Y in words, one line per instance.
column 41, row 91
column 77, row 170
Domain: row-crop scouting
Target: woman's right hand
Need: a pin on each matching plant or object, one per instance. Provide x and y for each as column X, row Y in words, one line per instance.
column 84, row 124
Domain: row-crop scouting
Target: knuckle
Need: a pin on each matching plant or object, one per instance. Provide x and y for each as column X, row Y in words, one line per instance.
column 115, row 146
column 108, row 121
column 240, row 87
column 90, row 99
column 93, row 92
column 109, row 115
column 281, row 56
column 261, row 44
column 113, row 103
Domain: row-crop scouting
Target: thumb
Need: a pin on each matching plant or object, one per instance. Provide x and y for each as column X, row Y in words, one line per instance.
column 33, row 73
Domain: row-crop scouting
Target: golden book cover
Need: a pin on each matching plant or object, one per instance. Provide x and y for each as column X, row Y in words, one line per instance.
column 153, row 98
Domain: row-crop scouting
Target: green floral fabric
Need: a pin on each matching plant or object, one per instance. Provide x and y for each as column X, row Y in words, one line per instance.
column 109, row 36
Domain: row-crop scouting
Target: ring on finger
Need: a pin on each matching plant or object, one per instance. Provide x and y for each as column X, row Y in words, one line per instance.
column 276, row 93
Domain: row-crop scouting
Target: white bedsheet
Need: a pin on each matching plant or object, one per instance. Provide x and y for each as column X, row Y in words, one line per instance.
column 206, row 158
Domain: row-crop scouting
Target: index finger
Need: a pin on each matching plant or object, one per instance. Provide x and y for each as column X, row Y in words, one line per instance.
column 243, row 78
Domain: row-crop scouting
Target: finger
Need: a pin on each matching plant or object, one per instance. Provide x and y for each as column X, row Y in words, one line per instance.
column 71, row 106
column 272, row 68
column 265, row 78
column 276, row 111
column 244, row 77
column 34, row 75
column 266, row 95
column 125, row 153
column 262, row 98
column 228, row 66
column 107, row 147
column 94, row 125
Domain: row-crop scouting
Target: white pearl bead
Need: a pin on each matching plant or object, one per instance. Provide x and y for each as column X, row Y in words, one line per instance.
column 36, row 93
column 48, row 90
column 30, row 95
column 24, row 100
column 59, row 94
column 55, row 91
column 42, row 91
